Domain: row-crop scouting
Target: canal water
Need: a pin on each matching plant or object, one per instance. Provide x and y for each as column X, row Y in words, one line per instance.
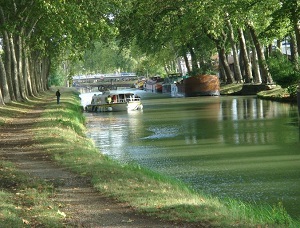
column 239, row 147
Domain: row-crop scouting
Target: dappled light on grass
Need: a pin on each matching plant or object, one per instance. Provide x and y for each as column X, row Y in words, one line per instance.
column 8, row 112
column 24, row 202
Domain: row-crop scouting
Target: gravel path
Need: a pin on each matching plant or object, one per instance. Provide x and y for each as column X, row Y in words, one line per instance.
column 83, row 206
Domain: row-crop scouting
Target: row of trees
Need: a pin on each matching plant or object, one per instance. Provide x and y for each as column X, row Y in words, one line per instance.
column 245, row 28
column 37, row 36
column 110, row 57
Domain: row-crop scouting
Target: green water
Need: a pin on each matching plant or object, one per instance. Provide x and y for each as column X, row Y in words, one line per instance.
column 239, row 147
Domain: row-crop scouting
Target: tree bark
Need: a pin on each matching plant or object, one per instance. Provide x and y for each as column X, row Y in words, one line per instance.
column 7, row 58
column 297, row 33
column 256, row 70
column 266, row 76
column 294, row 52
column 294, row 18
column 187, row 64
column 32, row 73
column 222, row 73
column 195, row 66
column 15, row 78
column 1, row 99
column 4, row 86
column 45, row 72
column 20, row 67
column 245, row 57
column 37, row 74
column 222, row 56
column 225, row 65
column 237, row 68
column 27, row 76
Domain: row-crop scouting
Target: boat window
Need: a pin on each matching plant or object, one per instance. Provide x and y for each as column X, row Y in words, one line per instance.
column 121, row 98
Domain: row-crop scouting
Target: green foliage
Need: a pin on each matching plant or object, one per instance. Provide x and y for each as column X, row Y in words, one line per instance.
column 292, row 90
column 110, row 57
column 107, row 58
column 282, row 70
column 57, row 77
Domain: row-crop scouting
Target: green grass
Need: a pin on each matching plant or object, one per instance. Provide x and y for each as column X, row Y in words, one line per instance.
column 25, row 202
column 61, row 132
column 230, row 88
column 277, row 94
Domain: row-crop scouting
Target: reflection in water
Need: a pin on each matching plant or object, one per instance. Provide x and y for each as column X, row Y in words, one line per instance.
column 239, row 147
column 250, row 120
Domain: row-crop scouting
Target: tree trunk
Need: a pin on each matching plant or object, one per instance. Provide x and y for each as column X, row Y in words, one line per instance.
column 45, row 72
column 237, row 68
column 1, row 99
column 222, row 73
column 35, row 66
column 4, row 86
column 294, row 18
column 179, row 65
column 245, row 57
column 225, row 65
column 294, row 52
column 266, row 76
column 20, row 67
column 15, row 78
column 27, row 76
column 256, row 70
column 278, row 45
column 32, row 74
column 195, row 66
column 7, row 57
column 37, row 72
column 8, row 66
column 187, row 64
column 297, row 33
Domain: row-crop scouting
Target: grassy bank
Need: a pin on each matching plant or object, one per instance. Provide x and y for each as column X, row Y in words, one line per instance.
column 277, row 94
column 62, row 135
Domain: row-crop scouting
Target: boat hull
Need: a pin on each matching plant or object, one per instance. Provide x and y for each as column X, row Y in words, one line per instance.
column 201, row 85
column 115, row 107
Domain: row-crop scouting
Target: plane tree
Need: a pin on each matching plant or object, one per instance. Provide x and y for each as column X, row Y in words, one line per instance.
column 191, row 27
column 36, row 34
column 161, row 26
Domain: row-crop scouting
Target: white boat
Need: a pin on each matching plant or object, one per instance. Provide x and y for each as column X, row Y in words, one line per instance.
column 110, row 101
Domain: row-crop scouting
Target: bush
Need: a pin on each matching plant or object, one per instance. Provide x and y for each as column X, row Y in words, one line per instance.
column 283, row 71
column 292, row 90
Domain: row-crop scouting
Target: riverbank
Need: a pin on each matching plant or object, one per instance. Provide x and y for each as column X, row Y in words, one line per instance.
column 60, row 133
column 275, row 93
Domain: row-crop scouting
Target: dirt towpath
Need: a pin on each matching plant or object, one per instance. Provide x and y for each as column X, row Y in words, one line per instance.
column 83, row 206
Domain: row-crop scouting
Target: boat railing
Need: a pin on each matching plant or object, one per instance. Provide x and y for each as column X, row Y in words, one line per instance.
column 133, row 99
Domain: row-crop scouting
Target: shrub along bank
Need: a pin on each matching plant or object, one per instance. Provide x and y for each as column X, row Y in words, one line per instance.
column 62, row 135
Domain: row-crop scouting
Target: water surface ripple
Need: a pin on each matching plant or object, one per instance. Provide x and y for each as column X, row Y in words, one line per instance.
column 239, row 147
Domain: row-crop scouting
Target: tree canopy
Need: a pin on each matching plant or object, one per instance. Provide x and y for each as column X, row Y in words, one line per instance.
column 40, row 36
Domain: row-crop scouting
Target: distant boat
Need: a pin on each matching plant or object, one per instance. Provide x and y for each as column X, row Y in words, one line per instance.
column 116, row 101
column 201, row 85
column 154, row 84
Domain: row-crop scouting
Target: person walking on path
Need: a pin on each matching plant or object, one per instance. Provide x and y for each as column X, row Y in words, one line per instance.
column 57, row 96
